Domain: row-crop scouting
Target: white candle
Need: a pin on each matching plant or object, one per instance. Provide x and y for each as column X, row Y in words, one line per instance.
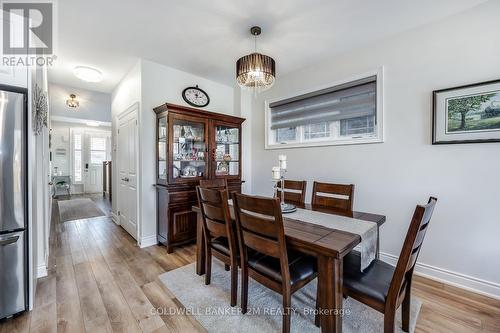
column 283, row 164
column 282, row 159
column 276, row 173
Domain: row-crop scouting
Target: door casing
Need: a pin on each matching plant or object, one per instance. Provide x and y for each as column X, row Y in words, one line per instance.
column 130, row 117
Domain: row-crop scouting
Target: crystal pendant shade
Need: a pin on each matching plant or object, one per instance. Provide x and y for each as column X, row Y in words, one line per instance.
column 256, row 71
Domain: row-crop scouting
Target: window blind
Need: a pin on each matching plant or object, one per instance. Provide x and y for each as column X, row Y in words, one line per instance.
column 352, row 100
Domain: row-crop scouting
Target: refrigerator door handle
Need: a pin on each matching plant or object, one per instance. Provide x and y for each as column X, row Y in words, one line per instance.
column 7, row 241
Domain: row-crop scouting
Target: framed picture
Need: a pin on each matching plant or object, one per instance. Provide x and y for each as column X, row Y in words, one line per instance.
column 467, row 114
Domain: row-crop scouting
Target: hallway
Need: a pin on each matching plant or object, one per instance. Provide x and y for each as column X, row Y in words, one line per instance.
column 99, row 280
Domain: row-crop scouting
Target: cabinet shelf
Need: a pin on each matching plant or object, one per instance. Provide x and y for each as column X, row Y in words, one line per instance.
column 227, row 142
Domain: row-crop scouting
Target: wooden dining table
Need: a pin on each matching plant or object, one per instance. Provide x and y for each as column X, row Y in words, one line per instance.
column 329, row 246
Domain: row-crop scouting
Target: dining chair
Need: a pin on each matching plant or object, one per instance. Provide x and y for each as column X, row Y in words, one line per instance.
column 218, row 183
column 220, row 237
column 295, row 191
column 259, row 226
column 385, row 287
column 336, row 196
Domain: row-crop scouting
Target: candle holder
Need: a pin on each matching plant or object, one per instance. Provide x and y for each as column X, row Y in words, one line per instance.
column 285, row 207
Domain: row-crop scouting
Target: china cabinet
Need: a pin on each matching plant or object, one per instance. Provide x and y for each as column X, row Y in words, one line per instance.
column 192, row 145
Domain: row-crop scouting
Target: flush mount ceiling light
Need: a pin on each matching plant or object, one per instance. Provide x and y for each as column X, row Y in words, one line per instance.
column 72, row 102
column 88, row 74
column 255, row 71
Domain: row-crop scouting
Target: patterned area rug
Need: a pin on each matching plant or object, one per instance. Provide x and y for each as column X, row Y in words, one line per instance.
column 210, row 305
column 77, row 209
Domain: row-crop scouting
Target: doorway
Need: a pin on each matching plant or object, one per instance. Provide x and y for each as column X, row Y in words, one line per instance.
column 97, row 152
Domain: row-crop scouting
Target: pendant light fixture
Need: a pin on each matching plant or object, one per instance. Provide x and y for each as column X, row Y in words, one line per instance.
column 255, row 71
column 72, row 102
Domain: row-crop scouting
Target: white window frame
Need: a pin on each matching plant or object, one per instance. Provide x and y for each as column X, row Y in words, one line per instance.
column 379, row 133
column 72, row 152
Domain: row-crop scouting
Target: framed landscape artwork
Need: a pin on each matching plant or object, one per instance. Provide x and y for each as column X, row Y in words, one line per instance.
column 467, row 114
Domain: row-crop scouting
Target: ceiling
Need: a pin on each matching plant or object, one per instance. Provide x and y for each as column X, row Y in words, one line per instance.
column 207, row 37
column 93, row 105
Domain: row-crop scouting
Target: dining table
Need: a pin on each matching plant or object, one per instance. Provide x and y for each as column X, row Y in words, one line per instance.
column 328, row 245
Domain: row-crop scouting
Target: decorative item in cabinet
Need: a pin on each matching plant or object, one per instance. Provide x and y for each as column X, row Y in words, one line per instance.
column 185, row 138
column 189, row 147
column 227, row 153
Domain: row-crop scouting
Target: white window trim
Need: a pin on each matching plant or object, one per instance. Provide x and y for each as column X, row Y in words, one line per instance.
column 378, row 138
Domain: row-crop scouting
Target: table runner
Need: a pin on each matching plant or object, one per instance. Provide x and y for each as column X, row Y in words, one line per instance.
column 368, row 231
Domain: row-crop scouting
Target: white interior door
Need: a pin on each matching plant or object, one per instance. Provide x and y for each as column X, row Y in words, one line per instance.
column 96, row 153
column 127, row 172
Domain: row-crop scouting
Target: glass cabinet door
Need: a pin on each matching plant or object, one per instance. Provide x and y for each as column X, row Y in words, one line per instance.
column 189, row 148
column 226, row 155
column 162, row 150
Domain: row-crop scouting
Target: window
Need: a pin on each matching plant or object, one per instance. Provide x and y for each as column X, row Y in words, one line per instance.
column 342, row 114
column 97, row 150
column 77, row 157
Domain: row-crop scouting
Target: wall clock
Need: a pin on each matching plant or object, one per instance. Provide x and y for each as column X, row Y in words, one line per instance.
column 195, row 96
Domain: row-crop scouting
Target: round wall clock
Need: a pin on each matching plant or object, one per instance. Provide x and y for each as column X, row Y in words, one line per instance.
column 195, row 96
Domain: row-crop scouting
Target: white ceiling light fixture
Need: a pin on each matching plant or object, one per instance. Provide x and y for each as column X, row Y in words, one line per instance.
column 88, row 74
column 93, row 123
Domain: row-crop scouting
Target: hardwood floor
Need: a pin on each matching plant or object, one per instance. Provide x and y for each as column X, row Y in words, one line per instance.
column 100, row 281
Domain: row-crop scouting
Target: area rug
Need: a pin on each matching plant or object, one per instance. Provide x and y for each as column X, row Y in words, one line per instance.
column 210, row 306
column 77, row 209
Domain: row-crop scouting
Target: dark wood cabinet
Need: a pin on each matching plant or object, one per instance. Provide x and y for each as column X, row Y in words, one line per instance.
column 192, row 145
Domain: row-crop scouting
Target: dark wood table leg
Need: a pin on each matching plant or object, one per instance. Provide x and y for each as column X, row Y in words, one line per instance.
column 200, row 246
column 330, row 287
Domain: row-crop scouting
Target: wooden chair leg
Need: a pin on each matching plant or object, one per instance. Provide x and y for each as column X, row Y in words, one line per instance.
column 405, row 311
column 208, row 265
column 234, row 283
column 244, row 288
column 287, row 300
column 389, row 319
column 226, row 267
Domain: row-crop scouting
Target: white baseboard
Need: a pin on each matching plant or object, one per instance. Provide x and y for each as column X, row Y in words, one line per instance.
column 148, row 241
column 479, row 286
column 114, row 218
column 41, row 271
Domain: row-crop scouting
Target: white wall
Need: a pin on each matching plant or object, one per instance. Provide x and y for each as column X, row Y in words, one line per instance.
column 462, row 244
column 161, row 84
column 93, row 105
column 38, row 189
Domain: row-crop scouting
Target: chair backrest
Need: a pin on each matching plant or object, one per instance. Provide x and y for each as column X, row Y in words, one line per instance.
column 259, row 225
column 218, row 183
column 338, row 196
column 295, row 191
column 411, row 248
column 216, row 216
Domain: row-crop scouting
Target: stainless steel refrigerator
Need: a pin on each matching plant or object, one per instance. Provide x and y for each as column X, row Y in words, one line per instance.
column 13, row 201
